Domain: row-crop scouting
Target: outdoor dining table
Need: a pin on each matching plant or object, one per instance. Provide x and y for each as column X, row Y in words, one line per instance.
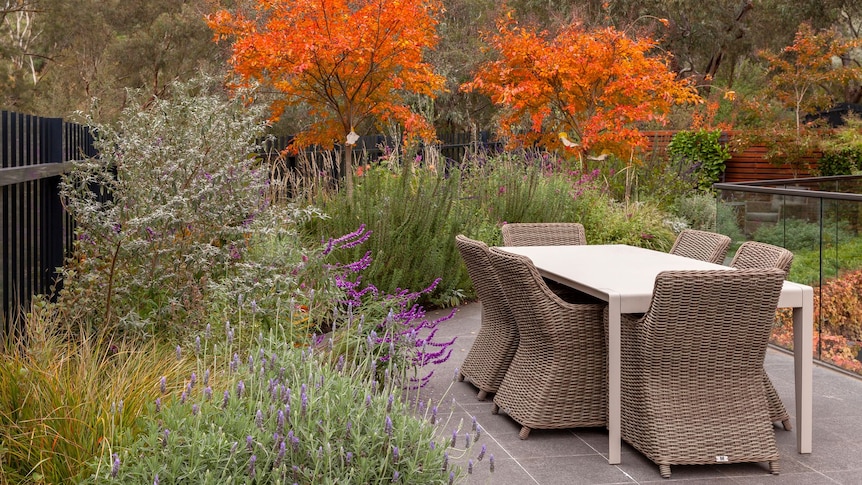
column 624, row 277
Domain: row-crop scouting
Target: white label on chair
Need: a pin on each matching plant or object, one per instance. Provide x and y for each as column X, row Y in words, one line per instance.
column 722, row 459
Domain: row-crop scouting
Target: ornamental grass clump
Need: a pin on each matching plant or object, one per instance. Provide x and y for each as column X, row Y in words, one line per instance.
column 280, row 417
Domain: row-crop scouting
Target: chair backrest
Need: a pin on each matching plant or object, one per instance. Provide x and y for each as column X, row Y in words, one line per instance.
column 543, row 234
column 484, row 277
column 753, row 254
column 701, row 245
column 714, row 320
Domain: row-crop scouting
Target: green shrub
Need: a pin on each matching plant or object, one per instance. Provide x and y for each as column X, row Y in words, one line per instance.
column 703, row 152
column 412, row 219
column 798, row 234
column 842, row 162
column 698, row 211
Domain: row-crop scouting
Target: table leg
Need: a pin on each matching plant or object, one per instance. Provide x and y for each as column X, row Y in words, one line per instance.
column 803, row 336
column 614, row 380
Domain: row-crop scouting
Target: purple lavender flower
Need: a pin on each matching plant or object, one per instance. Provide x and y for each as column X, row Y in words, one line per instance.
column 206, row 377
column 240, row 388
column 481, row 453
column 165, row 435
column 197, row 345
column 467, row 438
column 156, row 479
column 183, row 397
column 279, row 422
column 195, row 409
column 249, row 443
column 208, row 393
column 163, row 383
column 250, row 364
column 115, row 466
column 451, row 477
column 434, row 415
column 158, row 404
column 258, row 419
column 387, row 427
column 389, row 403
column 396, row 477
column 348, row 457
column 470, row 467
column 454, row 438
column 491, row 462
column 304, row 399
column 473, row 426
column 251, row 462
column 193, row 380
column 208, row 332
column 348, row 429
column 395, row 454
column 282, row 449
column 294, row 441
column 225, row 400
column 478, row 431
column 445, row 461
column 179, row 353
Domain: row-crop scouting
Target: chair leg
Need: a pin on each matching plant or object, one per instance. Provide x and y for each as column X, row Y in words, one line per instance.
column 460, row 377
column 495, row 409
column 786, row 424
column 774, row 468
column 664, row 470
column 525, row 433
column 482, row 395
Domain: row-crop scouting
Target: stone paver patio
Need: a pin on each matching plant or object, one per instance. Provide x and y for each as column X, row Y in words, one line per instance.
column 578, row 456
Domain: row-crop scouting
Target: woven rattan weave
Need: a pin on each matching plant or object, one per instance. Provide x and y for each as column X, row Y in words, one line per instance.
column 750, row 255
column 558, row 377
column 692, row 388
column 492, row 351
column 702, row 245
column 543, row 234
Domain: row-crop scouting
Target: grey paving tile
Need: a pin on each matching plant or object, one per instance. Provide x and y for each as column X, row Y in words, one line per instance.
column 578, row 456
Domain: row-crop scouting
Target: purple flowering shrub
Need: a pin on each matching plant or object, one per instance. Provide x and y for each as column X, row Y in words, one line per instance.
column 390, row 333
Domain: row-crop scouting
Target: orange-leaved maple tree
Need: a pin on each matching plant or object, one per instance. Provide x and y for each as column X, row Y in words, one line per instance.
column 350, row 62
column 800, row 74
column 586, row 89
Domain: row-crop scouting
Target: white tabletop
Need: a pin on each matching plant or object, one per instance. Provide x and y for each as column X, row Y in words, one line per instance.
column 626, row 270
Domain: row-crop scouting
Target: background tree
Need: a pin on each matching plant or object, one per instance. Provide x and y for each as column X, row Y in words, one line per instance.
column 79, row 50
column 595, row 86
column 801, row 75
column 350, row 62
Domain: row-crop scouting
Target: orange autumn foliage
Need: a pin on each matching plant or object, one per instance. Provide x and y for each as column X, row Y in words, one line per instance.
column 348, row 61
column 595, row 86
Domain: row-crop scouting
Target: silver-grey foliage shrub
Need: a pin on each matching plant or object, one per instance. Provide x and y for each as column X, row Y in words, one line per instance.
column 166, row 211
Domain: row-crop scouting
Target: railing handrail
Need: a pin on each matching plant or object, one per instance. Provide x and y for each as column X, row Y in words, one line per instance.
column 768, row 187
column 26, row 173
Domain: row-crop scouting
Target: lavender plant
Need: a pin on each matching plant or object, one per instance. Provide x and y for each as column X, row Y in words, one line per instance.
column 280, row 417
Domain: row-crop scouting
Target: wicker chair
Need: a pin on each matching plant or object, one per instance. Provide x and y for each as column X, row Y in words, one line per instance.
column 702, row 245
column 692, row 391
column 751, row 255
column 492, row 351
column 550, row 234
column 558, row 377
column 543, row 234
